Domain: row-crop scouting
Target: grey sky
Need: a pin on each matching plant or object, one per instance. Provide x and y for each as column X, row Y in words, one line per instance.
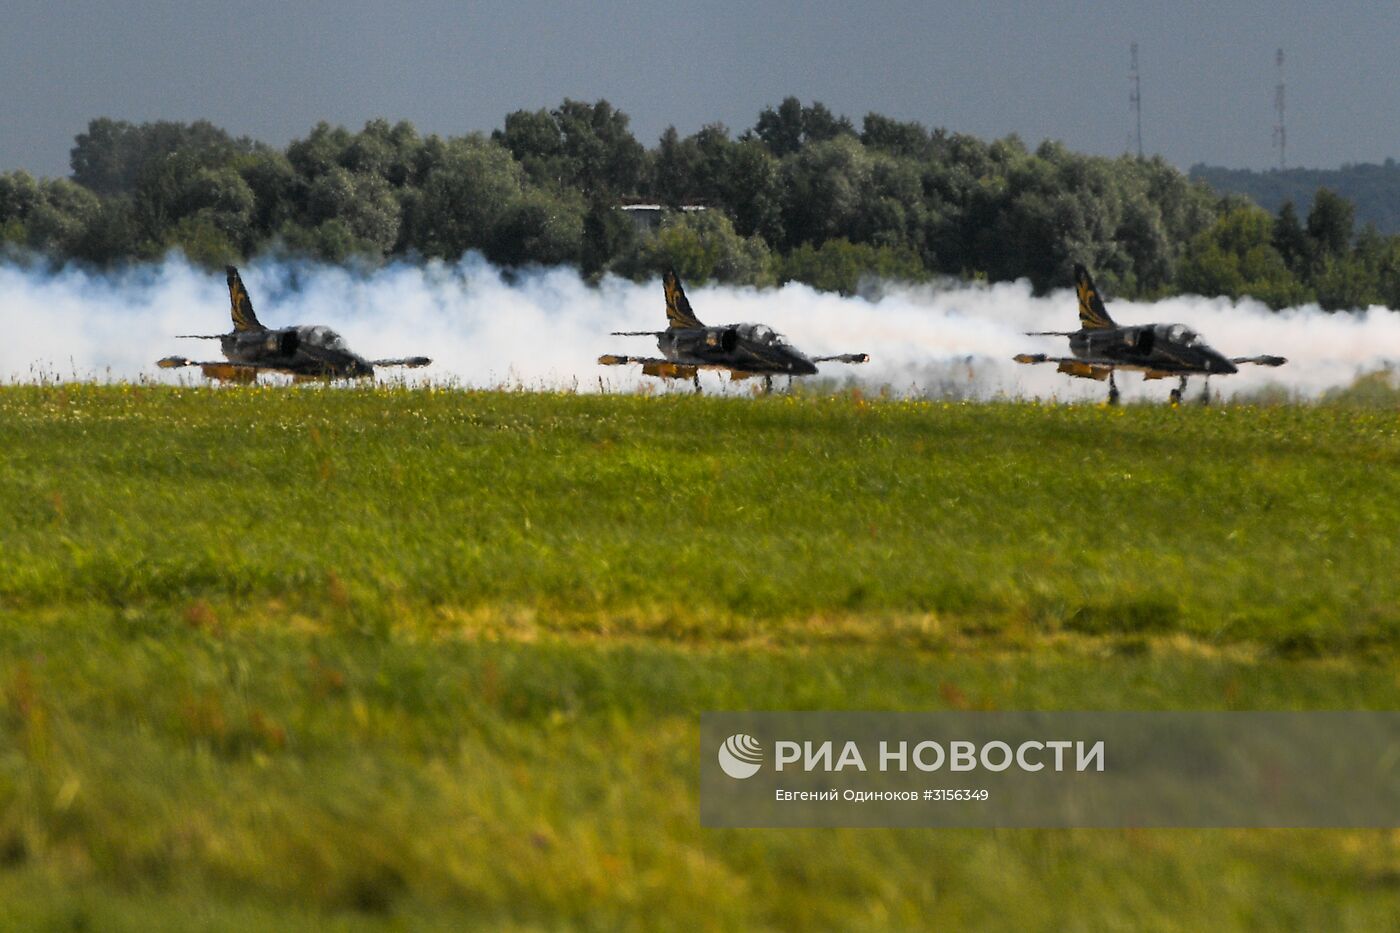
column 1054, row 69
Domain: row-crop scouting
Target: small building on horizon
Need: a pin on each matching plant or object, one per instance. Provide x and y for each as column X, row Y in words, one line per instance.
column 646, row 218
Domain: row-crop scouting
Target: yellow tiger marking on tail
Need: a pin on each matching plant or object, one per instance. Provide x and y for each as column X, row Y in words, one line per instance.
column 1092, row 313
column 240, row 305
column 678, row 313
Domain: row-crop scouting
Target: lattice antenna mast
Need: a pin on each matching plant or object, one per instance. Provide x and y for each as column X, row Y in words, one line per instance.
column 1280, row 130
column 1135, row 102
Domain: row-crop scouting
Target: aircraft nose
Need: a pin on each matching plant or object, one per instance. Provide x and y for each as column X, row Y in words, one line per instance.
column 799, row 365
column 1218, row 363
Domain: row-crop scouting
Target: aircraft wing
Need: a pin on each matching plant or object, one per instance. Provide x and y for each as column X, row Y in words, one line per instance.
column 648, row 363
column 1087, row 361
column 612, row 359
column 1259, row 360
column 1078, row 366
column 843, row 358
column 1068, row 363
column 668, row 369
column 411, row 362
column 222, row 370
column 176, row 362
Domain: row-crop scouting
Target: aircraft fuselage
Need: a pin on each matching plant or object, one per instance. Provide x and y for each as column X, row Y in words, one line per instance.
column 1161, row 348
column 749, row 348
column 306, row 350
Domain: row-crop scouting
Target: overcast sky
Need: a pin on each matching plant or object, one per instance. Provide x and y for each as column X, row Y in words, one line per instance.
column 1048, row 69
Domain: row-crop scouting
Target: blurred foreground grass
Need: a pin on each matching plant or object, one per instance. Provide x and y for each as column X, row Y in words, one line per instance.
column 297, row 658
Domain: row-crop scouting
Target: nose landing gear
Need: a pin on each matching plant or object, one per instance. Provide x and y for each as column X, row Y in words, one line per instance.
column 1178, row 391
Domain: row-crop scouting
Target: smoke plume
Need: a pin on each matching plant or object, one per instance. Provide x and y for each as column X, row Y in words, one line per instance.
column 546, row 328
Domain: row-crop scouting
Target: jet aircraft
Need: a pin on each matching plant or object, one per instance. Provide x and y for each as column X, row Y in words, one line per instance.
column 743, row 350
column 307, row 351
column 1159, row 351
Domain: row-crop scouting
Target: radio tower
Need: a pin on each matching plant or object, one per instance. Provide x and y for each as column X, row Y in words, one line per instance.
column 1135, row 102
column 1280, row 131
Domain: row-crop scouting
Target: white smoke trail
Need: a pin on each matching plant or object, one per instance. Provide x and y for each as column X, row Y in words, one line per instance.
column 546, row 328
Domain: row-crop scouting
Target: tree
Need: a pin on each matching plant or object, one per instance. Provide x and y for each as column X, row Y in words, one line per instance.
column 1385, row 262
column 910, row 140
column 792, row 126
column 319, row 152
column 1059, row 208
column 744, row 176
column 537, row 228
column 841, row 266
column 699, row 245
column 369, row 152
column 19, row 195
column 58, row 221
column 1344, row 283
column 363, row 201
column 587, row 147
column 278, row 193
column 103, row 159
column 1143, row 238
column 823, row 189
column 113, row 156
column 1235, row 257
column 604, row 156
column 331, row 241
column 1330, row 224
column 678, row 165
column 533, row 138
column 203, row 242
column 1358, row 279
column 781, row 129
column 820, row 124
column 464, row 197
column 800, row 194
column 112, row 235
column 607, row 234
column 1291, row 240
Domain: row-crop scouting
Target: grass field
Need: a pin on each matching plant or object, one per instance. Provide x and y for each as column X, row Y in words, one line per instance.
column 302, row 658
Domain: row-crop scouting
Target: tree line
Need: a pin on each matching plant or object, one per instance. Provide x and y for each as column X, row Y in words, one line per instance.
column 1373, row 187
column 802, row 195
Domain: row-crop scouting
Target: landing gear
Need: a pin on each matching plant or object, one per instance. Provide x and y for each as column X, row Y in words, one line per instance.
column 1112, row 389
column 1205, row 395
column 767, row 385
column 1178, row 392
column 698, row 390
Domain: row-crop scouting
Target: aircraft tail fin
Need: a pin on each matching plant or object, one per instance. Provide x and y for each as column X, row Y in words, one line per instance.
column 1092, row 314
column 240, row 305
column 678, row 313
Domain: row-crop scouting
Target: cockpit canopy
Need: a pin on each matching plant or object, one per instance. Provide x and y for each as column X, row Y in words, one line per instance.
column 762, row 333
column 1180, row 334
column 321, row 336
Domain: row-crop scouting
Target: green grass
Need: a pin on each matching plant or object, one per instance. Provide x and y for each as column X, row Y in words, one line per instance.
column 277, row 658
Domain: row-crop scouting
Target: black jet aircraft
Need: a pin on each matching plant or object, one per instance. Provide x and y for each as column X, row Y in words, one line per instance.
column 742, row 350
column 1159, row 351
column 308, row 351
